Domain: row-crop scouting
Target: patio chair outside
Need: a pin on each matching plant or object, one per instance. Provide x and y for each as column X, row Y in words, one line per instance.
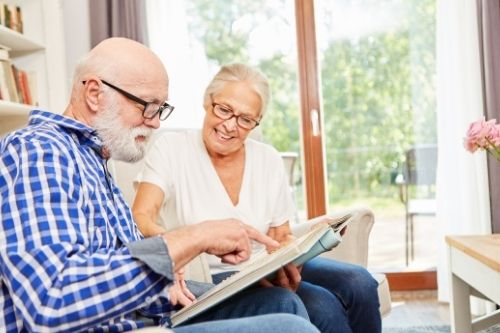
column 417, row 189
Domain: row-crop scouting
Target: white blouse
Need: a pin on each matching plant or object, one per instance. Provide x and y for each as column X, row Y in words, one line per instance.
column 180, row 166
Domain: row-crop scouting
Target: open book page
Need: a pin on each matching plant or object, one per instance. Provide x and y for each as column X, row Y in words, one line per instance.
column 318, row 240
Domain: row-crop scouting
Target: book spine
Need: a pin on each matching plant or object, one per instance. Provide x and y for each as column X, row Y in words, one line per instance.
column 11, row 17
column 10, row 81
column 6, row 16
column 25, row 87
column 20, row 24
column 2, row 14
column 15, row 74
column 4, row 93
column 32, row 87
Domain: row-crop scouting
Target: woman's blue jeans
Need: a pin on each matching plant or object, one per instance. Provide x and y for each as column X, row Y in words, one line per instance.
column 339, row 297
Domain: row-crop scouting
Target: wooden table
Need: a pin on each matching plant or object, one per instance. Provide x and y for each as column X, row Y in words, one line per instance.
column 475, row 270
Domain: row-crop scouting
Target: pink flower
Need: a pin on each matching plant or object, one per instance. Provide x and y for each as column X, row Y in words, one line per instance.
column 481, row 134
column 484, row 135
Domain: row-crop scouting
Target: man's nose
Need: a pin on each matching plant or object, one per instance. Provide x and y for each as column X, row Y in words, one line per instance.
column 153, row 122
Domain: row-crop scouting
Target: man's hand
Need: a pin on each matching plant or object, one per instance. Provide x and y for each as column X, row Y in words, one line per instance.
column 230, row 240
column 179, row 292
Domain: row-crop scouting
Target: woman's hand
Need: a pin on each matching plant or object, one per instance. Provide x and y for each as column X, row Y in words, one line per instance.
column 327, row 220
column 289, row 276
column 282, row 234
column 179, row 292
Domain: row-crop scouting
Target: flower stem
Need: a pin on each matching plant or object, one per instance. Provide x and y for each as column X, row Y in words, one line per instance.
column 493, row 150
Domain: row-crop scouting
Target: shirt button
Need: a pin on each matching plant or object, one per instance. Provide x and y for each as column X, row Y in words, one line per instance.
column 148, row 300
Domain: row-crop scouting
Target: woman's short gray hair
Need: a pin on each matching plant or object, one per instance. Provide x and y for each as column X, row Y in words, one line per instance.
column 239, row 73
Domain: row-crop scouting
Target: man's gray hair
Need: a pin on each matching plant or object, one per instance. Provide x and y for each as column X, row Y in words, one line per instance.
column 90, row 64
column 239, row 73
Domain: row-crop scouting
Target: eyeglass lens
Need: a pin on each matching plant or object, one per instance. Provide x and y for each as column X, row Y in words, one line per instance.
column 226, row 114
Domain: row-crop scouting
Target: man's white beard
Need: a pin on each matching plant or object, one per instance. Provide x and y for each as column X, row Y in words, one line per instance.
column 118, row 139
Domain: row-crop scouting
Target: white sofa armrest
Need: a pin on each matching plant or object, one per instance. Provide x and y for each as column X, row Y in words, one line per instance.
column 354, row 245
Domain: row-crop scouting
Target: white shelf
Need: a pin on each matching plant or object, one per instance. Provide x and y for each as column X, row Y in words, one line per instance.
column 18, row 43
column 39, row 50
column 12, row 109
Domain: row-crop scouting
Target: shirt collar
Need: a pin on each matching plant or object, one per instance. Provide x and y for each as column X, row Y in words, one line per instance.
column 80, row 132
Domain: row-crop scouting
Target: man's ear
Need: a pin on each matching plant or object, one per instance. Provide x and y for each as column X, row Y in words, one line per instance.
column 92, row 93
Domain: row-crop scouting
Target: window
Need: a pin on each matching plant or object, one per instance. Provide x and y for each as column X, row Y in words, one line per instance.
column 376, row 67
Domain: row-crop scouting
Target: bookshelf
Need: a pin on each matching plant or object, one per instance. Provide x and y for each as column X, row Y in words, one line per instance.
column 18, row 42
column 40, row 50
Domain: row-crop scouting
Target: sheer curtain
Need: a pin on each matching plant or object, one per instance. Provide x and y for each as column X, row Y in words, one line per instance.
column 184, row 59
column 462, row 182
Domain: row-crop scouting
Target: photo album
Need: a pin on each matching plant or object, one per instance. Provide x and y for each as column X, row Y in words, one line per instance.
column 323, row 237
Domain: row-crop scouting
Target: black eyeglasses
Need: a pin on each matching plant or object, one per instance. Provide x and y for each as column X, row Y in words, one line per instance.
column 225, row 113
column 150, row 109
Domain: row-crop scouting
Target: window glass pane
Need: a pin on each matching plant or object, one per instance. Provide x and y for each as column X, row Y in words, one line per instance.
column 377, row 63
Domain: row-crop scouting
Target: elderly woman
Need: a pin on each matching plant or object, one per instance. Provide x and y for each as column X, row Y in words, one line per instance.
column 219, row 173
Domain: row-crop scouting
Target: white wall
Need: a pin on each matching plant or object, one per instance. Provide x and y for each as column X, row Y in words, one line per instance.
column 77, row 34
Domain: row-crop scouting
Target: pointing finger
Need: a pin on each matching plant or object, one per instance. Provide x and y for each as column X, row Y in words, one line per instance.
column 260, row 237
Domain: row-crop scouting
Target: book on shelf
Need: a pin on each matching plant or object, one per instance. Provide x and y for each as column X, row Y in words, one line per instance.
column 15, row 85
column 4, row 93
column 4, row 52
column 4, row 56
column 25, row 87
column 31, row 81
column 15, row 74
column 22, row 85
column 11, row 17
column 9, row 88
column 323, row 237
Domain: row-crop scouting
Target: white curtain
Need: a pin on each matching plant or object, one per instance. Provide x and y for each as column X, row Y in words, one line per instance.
column 462, row 187
column 184, row 59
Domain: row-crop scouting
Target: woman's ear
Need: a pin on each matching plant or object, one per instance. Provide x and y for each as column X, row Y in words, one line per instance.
column 92, row 93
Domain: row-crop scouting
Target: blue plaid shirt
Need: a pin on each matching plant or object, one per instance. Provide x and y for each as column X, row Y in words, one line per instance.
column 68, row 244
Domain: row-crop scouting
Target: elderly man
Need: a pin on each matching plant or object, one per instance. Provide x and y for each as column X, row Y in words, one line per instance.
column 71, row 257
